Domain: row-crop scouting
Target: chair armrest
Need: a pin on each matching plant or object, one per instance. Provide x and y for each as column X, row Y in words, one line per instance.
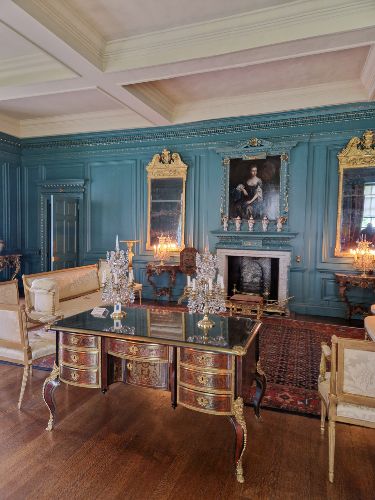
column 326, row 356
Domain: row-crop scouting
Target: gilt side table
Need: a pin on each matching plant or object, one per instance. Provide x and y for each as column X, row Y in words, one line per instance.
column 10, row 261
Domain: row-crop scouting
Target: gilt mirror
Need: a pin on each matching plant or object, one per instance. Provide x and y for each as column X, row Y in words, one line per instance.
column 356, row 197
column 166, row 178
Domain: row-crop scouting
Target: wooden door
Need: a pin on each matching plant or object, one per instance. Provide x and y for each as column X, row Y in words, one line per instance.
column 64, row 232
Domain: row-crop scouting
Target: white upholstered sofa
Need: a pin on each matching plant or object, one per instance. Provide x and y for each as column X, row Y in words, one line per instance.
column 63, row 292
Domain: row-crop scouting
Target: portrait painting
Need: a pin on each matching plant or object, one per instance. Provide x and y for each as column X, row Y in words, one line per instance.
column 254, row 188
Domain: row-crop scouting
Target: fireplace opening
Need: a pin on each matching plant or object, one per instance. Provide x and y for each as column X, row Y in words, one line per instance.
column 258, row 275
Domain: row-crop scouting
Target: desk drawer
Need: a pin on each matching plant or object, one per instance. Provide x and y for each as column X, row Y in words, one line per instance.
column 205, row 380
column 205, row 402
column 138, row 350
column 76, row 340
column 73, row 357
column 81, row 377
column 203, row 359
column 147, row 374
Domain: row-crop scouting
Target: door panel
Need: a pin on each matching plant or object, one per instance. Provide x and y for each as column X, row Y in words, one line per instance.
column 64, row 232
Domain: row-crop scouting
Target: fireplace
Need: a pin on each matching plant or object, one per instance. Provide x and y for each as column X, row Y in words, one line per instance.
column 255, row 271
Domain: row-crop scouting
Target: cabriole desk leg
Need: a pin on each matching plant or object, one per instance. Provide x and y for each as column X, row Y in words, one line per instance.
column 49, row 387
column 239, row 424
column 261, row 384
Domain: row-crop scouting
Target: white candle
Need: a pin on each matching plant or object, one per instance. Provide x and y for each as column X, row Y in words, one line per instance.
column 194, row 284
column 131, row 276
column 210, row 284
column 117, row 244
column 116, row 278
column 104, row 277
column 188, row 281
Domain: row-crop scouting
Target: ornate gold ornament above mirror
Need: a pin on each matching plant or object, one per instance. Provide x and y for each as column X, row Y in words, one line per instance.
column 166, row 178
column 356, row 200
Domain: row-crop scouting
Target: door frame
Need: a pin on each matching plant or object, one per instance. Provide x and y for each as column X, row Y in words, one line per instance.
column 68, row 187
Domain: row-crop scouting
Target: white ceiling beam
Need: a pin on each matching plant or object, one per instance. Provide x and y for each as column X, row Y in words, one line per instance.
column 44, row 88
column 269, row 26
column 33, row 30
column 368, row 73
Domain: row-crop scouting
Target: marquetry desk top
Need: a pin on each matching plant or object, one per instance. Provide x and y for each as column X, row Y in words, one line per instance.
column 207, row 371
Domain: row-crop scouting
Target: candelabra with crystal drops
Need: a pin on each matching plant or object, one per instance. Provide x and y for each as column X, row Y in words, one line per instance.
column 364, row 256
column 206, row 295
column 118, row 287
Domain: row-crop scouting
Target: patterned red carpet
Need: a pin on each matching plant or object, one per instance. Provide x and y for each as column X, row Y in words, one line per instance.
column 290, row 356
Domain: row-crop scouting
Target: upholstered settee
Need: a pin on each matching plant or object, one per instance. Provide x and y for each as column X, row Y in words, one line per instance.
column 63, row 292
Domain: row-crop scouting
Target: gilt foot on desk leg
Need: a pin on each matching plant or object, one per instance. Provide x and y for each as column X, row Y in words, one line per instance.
column 50, row 385
column 239, row 424
column 261, row 384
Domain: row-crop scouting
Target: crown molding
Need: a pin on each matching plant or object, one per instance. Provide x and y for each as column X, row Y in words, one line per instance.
column 263, row 102
column 32, row 68
column 269, row 26
column 368, row 73
column 81, row 122
column 60, row 18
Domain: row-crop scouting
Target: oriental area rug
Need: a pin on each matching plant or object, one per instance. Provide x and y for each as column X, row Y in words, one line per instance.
column 290, row 356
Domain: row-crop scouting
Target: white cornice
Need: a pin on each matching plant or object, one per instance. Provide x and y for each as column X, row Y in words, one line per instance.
column 368, row 73
column 80, row 122
column 63, row 21
column 296, row 20
column 32, row 68
column 9, row 125
column 268, row 102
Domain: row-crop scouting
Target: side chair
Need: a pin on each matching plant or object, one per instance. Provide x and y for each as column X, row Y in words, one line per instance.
column 348, row 390
column 17, row 344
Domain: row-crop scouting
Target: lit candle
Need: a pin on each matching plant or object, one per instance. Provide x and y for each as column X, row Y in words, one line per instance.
column 188, row 281
column 117, row 244
column 194, row 285
column 131, row 276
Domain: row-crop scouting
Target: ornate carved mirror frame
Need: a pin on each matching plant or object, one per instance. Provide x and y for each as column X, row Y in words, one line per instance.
column 166, row 166
column 358, row 154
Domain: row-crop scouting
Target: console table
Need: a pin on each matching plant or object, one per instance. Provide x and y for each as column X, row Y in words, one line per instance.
column 211, row 373
column 10, row 261
column 153, row 269
column 345, row 282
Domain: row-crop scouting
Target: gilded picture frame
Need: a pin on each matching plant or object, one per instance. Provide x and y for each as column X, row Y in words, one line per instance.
column 166, row 186
column 355, row 194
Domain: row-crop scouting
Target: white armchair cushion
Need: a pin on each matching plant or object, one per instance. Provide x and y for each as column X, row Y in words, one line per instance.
column 45, row 293
column 357, row 412
column 359, row 372
column 10, row 328
column 9, row 293
column 41, row 344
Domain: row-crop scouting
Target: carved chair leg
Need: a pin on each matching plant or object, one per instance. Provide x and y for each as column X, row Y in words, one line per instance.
column 23, row 385
column 323, row 414
column 31, row 370
column 331, row 447
column 50, row 385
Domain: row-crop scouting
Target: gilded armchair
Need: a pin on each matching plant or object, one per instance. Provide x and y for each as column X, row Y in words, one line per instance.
column 351, row 393
column 17, row 345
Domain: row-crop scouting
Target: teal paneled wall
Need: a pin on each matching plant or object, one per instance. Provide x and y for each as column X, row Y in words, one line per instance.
column 10, row 194
column 113, row 167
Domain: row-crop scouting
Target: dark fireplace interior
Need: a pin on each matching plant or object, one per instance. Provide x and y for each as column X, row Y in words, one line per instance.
column 258, row 275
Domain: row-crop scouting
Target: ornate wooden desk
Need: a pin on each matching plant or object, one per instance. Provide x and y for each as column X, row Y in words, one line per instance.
column 210, row 373
column 153, row 269
column 347, row 281
column 10, row 261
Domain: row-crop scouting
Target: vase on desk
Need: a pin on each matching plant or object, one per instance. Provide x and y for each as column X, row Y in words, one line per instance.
column 2, row 245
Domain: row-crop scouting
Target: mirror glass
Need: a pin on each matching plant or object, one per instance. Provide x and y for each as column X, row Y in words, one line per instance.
column 166, row 210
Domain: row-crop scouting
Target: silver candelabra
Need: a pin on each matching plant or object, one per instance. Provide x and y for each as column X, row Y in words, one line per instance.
column 206, row 295
column 118, row 285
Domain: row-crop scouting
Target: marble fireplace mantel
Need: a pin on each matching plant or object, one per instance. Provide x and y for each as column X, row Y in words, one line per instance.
column 254, row 239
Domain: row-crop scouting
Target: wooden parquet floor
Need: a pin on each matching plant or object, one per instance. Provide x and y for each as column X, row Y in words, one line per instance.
column 130, row 444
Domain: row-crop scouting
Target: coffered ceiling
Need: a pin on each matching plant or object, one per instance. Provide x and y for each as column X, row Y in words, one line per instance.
column 71, row 66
